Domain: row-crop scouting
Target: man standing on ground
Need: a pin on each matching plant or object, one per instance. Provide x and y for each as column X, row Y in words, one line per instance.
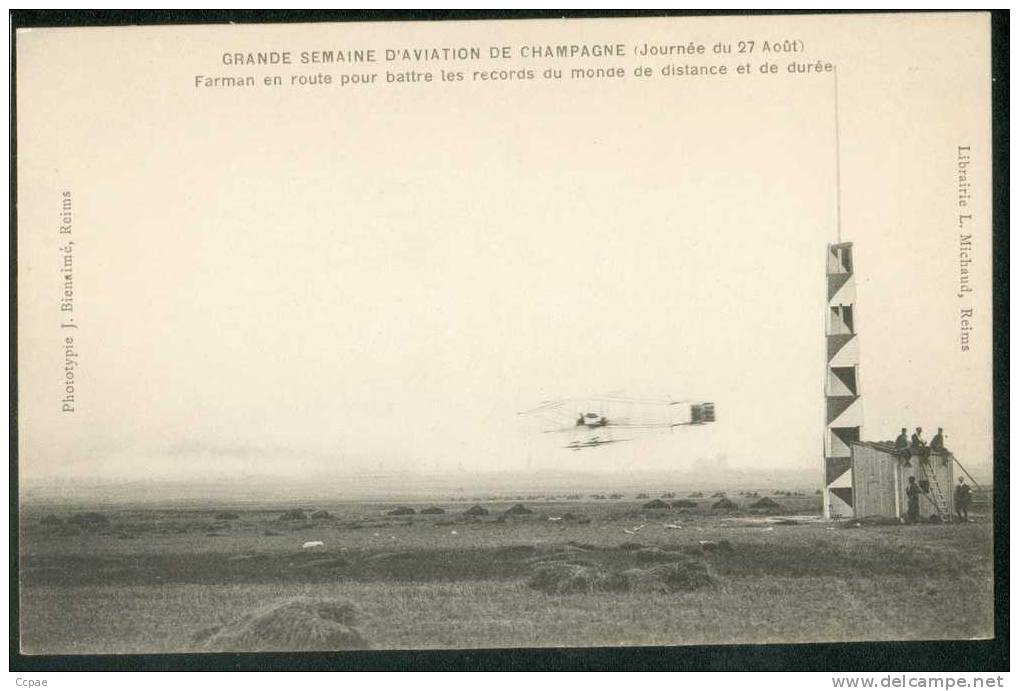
column 913, row 495
column 962, row 499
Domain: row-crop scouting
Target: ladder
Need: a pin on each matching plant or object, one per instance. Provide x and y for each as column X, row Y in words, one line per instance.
column 934, row 495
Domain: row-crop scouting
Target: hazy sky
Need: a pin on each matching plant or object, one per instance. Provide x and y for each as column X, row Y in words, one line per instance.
column 334, row 279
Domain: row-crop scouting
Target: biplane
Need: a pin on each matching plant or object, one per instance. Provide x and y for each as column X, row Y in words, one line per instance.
column 582, row 417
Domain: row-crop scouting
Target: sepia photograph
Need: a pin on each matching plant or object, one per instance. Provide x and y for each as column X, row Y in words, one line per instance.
column 504, row 333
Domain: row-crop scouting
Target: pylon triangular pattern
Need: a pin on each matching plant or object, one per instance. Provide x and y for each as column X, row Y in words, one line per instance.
column 836, row 281
column 846, row 294
column 843, row 493
column 836, row 324
column 847, row 434
column 843, row 411
column 835, row 265
column 834, row 467
column 851, row 416
column 837, row 387
column 836, row 342
column 846, row 375
column 837, row 405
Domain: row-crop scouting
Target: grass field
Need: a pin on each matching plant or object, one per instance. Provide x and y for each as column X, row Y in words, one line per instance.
column 149, row 579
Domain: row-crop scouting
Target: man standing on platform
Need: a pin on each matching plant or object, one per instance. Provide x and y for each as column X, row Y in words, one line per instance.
column 902, row 447
column 917, row 443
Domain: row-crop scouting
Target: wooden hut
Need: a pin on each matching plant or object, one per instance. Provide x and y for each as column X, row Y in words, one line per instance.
column 880, row 477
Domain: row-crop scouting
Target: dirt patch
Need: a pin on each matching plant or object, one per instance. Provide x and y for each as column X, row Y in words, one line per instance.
column 515, row 550
column 569, row 577
column 655, row 555
column 579, row 577
column 89, row 520
column 681, row 576
column 870, row 521
column 328, row 564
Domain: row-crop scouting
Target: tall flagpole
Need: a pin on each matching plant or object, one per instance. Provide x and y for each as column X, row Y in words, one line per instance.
column 838, row 165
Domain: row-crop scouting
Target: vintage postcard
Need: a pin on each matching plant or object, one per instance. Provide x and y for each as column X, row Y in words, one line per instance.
column 504, row 333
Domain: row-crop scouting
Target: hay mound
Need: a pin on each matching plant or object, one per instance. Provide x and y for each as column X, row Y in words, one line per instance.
column 433, row 510
column 476, row 510
column 684, row 504
column 518, row 510
column 725, row 504
column 401, row 511
column 657, row 504
column 227, row 516
column 294, row 515
column 291, row 625
column 322, row 515
column 713, row 546
column 765, row 503
column 50, row 519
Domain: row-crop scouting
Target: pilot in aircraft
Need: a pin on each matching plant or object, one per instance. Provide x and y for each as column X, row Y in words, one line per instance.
column 591, row 420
